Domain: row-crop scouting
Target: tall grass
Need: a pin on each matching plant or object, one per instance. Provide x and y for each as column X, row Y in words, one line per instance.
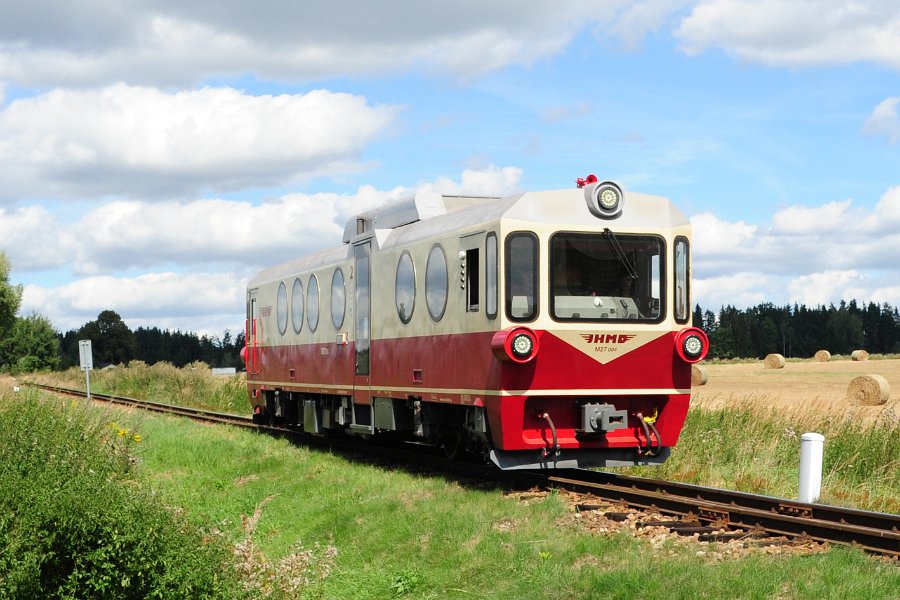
column 757, row 451
column 192, row 385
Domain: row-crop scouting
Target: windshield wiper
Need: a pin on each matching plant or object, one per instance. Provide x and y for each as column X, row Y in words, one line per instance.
column 620, row 254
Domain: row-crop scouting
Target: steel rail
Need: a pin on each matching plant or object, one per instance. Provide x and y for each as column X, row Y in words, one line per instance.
column 873, row 531
column 183, row 411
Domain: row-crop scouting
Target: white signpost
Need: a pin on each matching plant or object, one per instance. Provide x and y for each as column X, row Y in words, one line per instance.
column 87, row 362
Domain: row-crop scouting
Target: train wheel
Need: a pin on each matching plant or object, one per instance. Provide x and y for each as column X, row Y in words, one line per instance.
column 450, row 444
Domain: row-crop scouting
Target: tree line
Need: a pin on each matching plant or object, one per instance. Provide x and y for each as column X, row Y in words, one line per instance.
column 113, row 343
column 800, row 331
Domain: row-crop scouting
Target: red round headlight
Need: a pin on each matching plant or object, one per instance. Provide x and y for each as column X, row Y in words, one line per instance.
column 691, row 344
column 517, row 344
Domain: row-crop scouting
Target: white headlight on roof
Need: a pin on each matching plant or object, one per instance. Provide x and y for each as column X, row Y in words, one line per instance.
column 608, row 198
column 604, row 199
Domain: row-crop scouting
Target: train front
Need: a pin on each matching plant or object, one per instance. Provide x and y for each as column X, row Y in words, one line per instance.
column 594, row 355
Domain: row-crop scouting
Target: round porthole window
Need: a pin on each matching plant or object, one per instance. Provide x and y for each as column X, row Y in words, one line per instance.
column 405, row 287
column 312, row 303
column 281, row 308
column 436, row 282
column 338, row 298
column 297, row 305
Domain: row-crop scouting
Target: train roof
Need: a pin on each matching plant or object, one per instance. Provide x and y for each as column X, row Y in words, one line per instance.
column 428, row 215
column 421, row 207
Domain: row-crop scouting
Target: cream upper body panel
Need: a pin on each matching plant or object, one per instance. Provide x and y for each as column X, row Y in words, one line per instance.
column 457, row 224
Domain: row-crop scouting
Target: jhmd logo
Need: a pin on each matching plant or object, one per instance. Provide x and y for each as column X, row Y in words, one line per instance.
column 607, row 338
column 605, row 347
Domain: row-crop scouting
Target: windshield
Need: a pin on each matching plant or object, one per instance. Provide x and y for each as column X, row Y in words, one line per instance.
column 606, row 276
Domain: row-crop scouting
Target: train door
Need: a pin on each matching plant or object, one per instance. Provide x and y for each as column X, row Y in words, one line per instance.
column 252, row 333
column 362, row 315
column 471, row 278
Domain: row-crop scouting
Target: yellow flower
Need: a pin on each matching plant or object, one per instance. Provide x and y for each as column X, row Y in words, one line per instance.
column 137, row 437
column 123, row 432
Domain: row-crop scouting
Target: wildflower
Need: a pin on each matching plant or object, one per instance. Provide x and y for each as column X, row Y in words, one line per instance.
column 137, row 437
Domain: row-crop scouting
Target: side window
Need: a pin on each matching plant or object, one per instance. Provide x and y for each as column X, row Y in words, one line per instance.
column 472, row 274
column 338, row 298
column 682, row 280
column 405, row 287
column 281, row 308
column 521, row 276
column 490, row 275
column 436, row 282
column 312, row 303
column 297, row 305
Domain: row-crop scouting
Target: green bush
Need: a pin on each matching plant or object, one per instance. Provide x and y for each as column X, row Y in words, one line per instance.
column 74, row 523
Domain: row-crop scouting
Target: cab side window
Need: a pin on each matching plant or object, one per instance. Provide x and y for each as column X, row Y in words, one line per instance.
column 521, row 276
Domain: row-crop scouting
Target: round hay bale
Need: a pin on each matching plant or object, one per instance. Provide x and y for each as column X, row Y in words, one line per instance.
column 859, row 355
column 774, row 361
column 699, row 375
column 823, row 356
column 869, row 389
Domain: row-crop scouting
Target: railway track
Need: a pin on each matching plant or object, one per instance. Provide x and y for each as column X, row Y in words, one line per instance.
column 702, row 510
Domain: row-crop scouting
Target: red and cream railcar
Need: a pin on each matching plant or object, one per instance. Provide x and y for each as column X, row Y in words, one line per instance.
column 547, row 329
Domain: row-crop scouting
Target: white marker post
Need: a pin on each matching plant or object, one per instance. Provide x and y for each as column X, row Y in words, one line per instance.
column 811, row 450
column 87, row 363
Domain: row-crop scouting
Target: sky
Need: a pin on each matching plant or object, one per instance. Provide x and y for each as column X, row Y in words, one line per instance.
column 155, row 155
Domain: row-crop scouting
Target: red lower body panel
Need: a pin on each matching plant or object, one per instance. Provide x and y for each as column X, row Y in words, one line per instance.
column 650, row 381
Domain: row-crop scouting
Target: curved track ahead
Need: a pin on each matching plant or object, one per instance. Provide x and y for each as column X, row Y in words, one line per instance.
column 716, row 508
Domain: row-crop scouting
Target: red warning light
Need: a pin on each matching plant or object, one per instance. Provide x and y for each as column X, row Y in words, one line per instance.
column 581, row 182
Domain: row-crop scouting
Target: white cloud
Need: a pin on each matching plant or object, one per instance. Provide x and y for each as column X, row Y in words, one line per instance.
column 826, row 287
column 94, row 43
column 884, row 120
column 715, row 236
column 90, row 42
column 808, row 254
column 142, row 141
column 486, row 181
column 802, row 239
column 166, row 300
column 798, row 33
column 637, row 18
column 33, row 239
column 738, row 289
column 800, row 220
column 220, row 243
column 131, row 234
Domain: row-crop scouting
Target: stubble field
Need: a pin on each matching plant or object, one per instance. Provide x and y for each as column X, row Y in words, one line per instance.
column 802, row 388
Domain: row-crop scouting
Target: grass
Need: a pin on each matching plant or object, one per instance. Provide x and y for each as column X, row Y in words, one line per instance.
column 392, row 533
column 310, row 524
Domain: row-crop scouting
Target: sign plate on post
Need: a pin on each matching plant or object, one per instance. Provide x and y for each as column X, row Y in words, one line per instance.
column 87, row 363
column 85, row 354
